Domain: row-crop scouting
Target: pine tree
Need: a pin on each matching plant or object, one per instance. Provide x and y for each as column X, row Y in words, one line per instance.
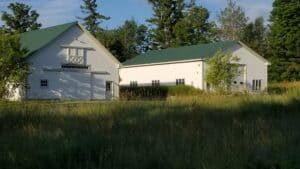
column 93, row 18
column 232, row 21
column 166, row 15
column 21, row 19
column 284, row 40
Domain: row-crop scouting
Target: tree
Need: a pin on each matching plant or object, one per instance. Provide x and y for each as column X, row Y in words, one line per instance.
column 284, row 39
column 166, row 15
column 127, row 41
column 254, row 36
column 232, row 21
column 194, row 28
column 13, row 65
column 222, row 70
column 92, row 18
column 21, row 19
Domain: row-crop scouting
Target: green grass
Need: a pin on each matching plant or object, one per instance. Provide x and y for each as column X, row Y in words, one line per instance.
column 187, row 132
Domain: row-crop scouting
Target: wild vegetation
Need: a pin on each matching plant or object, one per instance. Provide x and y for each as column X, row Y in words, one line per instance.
column 202, row 131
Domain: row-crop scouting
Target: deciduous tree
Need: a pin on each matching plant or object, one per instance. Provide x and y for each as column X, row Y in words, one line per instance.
column 222, row 70
column 232, row 21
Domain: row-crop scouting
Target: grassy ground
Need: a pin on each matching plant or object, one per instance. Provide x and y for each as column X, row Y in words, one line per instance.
column 201, row 132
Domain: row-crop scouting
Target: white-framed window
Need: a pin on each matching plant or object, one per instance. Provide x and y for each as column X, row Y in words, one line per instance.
column 44, row 83
column 180, row 82
column 256, row 85
column 75, row 55
column 133, row 84
column 155, row 83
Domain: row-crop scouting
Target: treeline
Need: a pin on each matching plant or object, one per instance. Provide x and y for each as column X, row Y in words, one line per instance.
column 178, row 22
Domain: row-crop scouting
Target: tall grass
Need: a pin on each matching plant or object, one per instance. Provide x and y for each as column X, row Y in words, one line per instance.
column 201, row 132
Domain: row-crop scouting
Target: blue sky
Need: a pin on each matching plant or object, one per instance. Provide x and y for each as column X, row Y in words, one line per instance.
column 53, row 12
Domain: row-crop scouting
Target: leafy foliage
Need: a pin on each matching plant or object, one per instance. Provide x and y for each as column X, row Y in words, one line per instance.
column 221, row 71
column 21, row 19
column 232, row 21
column 127, row 41
column 13, row 66
column 194, row 28
column 284, row 40
column 93, row 18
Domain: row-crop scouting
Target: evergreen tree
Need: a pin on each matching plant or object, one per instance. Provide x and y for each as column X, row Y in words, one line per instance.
column 194, row 28
column 13, row 66
column 92, row 18
column 254, row 36
column 232, row 21
column 20, row 19
column 284, row 40
column 166, row 15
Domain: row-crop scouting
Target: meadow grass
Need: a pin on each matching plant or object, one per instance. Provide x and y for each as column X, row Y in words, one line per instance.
column 206, row 131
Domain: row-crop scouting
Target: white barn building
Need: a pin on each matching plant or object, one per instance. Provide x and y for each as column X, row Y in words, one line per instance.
column 187, row 65
column 68, row 63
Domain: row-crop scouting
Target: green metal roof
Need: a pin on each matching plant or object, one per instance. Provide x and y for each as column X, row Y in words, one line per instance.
column 35, row 40
column 201, row 51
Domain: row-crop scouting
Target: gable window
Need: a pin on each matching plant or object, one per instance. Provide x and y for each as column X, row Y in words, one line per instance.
column 155, row 83
column 180, row 82
column 256, row 85
column 44, row 83
column 75, row 55
column 133, row 84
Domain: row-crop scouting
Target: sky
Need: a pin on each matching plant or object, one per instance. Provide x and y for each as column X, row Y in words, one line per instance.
column 54, row 12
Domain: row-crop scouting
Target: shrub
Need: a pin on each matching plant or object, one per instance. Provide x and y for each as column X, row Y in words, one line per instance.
column 162, row 92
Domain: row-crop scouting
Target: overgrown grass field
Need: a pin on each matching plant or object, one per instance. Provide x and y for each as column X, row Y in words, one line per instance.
column 203, row 131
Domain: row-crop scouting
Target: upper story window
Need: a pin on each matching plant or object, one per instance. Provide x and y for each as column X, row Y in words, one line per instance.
column 75, row 56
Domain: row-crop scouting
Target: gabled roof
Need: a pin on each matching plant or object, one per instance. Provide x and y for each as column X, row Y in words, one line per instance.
column 35, row 40
column 202, row 51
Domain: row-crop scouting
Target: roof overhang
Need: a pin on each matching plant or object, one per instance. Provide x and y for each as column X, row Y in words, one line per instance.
column 163, row 63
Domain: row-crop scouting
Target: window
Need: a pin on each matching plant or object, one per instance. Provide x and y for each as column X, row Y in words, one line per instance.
column 155, row 83
column 180, row 82
column 256, row 85
column 44, row 83
column 133, row 84
column 75, row 55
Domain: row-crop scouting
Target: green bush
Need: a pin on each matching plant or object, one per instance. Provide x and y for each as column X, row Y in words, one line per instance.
column 162, row 92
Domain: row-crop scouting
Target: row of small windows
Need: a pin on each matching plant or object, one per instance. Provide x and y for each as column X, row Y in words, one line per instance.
column 156, row 83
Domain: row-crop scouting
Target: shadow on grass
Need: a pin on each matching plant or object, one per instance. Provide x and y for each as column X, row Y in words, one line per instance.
column 252, row 135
